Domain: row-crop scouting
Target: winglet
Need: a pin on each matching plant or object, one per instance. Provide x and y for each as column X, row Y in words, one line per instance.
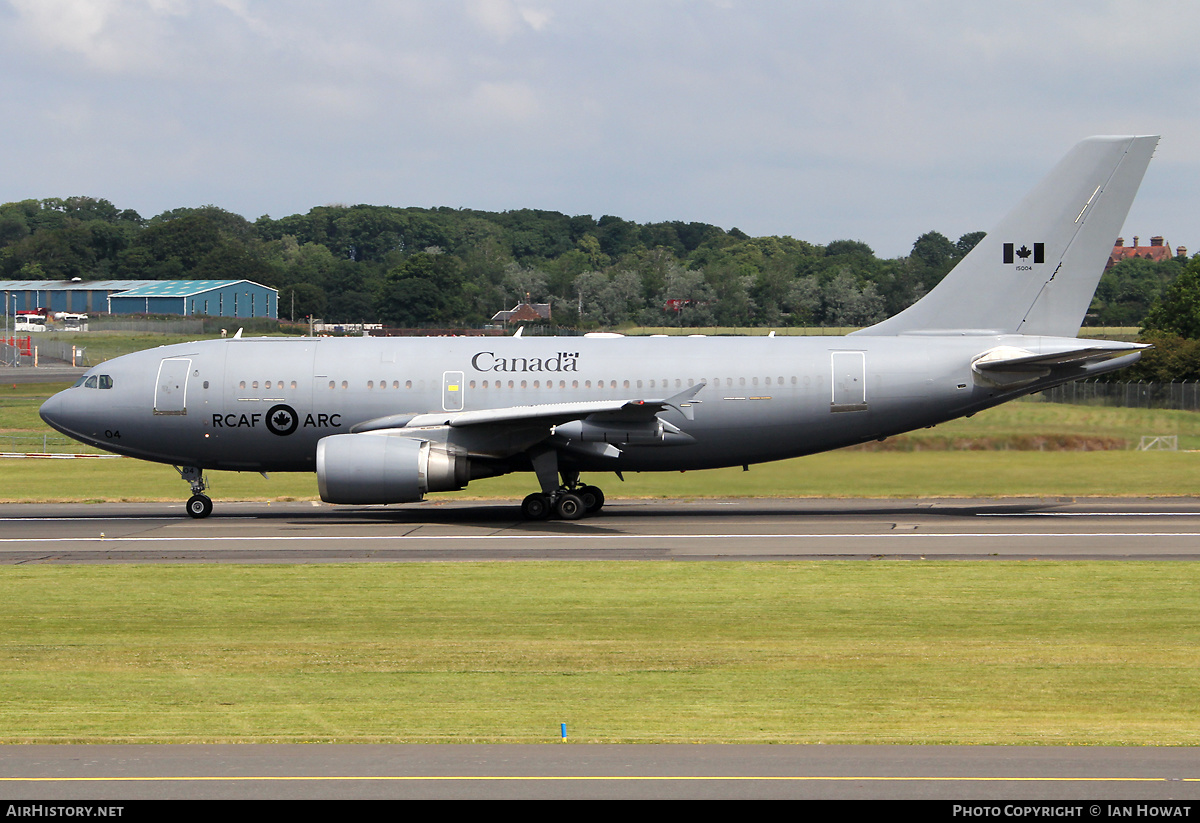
column 682, row 402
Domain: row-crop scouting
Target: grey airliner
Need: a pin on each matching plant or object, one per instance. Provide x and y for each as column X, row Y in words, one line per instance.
column 388, row 420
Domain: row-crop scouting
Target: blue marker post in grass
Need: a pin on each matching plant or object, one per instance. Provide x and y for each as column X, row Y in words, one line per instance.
column 563, row 730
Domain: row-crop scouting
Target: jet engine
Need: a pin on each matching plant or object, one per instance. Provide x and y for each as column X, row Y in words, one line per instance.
column 380, row 468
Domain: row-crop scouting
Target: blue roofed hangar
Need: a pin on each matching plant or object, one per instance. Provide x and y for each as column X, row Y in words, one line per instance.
column 212, row 298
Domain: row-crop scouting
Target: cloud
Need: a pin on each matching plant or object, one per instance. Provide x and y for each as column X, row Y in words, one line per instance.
column 111, row 35
column 871, row 120
column 504, row 19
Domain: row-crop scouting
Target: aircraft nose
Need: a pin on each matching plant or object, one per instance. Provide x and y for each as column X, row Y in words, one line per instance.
column 62, row 412
column 51, row 411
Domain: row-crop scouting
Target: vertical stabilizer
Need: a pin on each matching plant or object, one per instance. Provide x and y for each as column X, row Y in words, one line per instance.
column 1036, row 272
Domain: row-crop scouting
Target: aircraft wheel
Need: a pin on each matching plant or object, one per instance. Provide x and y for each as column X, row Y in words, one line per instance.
column 199, row 506
column 536, row 506
column 592, row 497
column 569, row 507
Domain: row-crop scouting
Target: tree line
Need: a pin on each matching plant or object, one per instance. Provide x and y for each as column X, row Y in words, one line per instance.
column 443, row 267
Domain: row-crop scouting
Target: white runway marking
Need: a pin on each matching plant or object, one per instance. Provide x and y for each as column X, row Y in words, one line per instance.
column 584, row 537
column 1086, row 514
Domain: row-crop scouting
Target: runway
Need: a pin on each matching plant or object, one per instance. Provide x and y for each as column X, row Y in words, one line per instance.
column 744, row 529
column 995, row 775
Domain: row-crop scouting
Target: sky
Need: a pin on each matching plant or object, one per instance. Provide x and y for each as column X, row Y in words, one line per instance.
column 873, row 121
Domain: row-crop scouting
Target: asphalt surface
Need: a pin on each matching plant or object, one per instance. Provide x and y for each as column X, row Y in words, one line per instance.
column 1091, row 778
column 624, row 530
column 52, row 372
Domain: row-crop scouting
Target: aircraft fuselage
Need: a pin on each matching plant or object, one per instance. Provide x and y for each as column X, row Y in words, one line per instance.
column 263, row 404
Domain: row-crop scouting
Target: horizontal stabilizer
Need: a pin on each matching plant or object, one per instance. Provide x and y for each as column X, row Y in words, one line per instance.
column 1010, row 366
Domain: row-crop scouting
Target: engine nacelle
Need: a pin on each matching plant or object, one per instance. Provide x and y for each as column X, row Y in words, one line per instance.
column 379, row 468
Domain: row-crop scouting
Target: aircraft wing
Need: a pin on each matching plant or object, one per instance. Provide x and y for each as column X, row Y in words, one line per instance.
column 548, row 414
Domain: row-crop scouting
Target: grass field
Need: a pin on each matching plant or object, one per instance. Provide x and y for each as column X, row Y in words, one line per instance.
column 867, row 652
column 836, row 474
column 1019, row 449
column 886, row 652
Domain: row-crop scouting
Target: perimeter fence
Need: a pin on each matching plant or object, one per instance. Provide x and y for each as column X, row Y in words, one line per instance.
column 47, row 443
column 1182, row 396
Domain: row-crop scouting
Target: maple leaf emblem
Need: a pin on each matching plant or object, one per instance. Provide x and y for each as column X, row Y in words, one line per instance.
column 282, row 419
column 1024, row 252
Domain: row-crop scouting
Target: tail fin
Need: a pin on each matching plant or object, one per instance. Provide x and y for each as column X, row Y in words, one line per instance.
column 1036, row 272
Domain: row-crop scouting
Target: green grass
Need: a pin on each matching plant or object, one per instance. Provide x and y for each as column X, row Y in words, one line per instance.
column 836, row 474
column 105, row 345
column 887, row 652
column 939, row 462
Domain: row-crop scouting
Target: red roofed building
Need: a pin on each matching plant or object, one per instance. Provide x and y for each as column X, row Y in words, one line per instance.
column 524, row 313
column 1158, row 251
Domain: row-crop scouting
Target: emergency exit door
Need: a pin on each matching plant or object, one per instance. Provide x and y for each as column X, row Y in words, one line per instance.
column 170, row 390
column 452, row 391
column 849, row 381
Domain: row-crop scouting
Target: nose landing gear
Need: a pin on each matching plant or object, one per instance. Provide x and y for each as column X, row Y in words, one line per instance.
column 199, row 505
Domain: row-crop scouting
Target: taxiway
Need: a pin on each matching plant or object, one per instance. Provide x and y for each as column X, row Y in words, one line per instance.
column 745, row 529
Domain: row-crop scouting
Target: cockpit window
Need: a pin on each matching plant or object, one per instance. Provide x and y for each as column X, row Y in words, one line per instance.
column 95, row 381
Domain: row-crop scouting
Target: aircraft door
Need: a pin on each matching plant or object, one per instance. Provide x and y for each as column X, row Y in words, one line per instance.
column 170, row 390
column 849, row 381
column 452, row 391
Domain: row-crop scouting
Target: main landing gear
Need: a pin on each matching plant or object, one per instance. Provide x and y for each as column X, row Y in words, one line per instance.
column 199, row 505
column 565, row 503
column 569, row 501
